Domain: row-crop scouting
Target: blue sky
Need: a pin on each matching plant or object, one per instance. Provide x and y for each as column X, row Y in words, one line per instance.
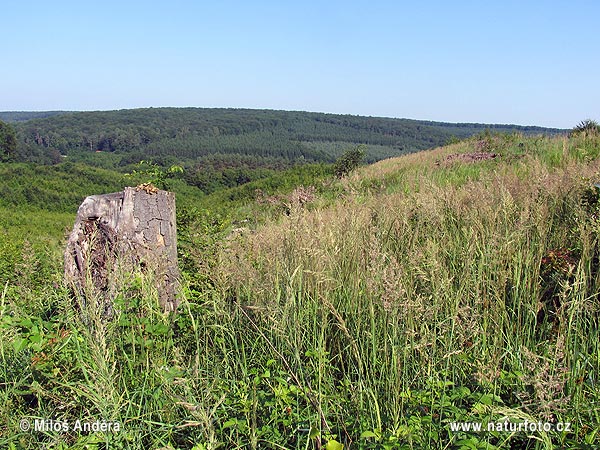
column 522, row 62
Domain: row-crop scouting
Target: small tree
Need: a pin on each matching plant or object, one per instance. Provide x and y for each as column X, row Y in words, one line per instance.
column 586, row 126
column 155, row 174
column 8, row 141
column 349, row 161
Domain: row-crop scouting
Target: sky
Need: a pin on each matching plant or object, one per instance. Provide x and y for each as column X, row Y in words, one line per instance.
column 520, row 62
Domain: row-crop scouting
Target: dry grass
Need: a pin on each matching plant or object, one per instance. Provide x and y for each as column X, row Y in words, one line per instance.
column 440, row 277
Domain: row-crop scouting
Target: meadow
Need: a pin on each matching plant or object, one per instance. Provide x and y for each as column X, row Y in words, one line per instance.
column 372, row 311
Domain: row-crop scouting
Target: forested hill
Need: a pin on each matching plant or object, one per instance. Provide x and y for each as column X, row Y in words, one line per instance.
column 199, row 133
column 21, row 116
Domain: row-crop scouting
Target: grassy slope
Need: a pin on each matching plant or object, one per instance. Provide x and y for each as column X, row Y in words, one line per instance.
column 441, row 286
column 402, row 298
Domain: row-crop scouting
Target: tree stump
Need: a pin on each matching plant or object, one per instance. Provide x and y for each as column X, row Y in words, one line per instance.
column 119, row 233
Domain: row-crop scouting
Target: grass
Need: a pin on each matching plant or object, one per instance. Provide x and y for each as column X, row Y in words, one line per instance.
column 409, row 295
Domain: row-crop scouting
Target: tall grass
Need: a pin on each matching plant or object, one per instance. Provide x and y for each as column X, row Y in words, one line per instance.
column 437, row 289
column 412, row 294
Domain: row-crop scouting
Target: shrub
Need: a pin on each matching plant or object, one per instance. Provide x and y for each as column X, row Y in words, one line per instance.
column 586, row 126
column 349, row 161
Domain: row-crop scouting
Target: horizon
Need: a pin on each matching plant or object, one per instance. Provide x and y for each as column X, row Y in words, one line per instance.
column 509, row 63
column 279, row 110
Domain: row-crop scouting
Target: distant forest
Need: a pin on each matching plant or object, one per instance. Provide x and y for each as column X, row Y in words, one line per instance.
column 21, row 116
column 272, row 137
column 224, row 147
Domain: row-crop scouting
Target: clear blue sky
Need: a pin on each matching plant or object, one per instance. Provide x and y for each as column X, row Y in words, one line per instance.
column 523, row 62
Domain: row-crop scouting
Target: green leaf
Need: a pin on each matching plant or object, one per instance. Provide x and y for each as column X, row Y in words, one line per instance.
column 334, row 445
column 159, row 329
column 19, row 344
column 486, row 399
column 230, row 423
column 27, row 323
column 467, row 444
column 124, row 320
column 367, row 435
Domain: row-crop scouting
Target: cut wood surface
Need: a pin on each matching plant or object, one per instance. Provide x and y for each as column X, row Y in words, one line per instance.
column 119, row 233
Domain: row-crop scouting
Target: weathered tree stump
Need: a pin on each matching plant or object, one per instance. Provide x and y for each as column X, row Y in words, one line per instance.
column 119, row 233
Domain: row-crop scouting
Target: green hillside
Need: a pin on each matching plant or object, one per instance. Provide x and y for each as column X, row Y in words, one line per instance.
column 270, row 137
column 22, row 116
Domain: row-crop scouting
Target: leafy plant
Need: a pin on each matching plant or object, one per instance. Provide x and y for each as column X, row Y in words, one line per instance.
column 155, row 174
column 349, row 161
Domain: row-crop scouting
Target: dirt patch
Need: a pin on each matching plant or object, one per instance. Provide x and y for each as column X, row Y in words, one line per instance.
column 468, row 157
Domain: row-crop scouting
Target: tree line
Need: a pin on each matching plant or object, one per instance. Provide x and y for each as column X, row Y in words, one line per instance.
column 192, row 133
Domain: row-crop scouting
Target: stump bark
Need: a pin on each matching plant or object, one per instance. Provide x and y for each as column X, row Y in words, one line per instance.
column 121, row 233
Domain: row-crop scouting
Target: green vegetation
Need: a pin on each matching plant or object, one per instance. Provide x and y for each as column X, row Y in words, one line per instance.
column 586, row 126
column 193, row 134
column 348, row 162
column 22, row 116
column 54, row 188
column 370, row 311
column 8, row 142
column 224, row 148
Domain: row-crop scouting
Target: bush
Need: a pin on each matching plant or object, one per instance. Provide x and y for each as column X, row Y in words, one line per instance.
column 349, row 161
column 586, row 126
